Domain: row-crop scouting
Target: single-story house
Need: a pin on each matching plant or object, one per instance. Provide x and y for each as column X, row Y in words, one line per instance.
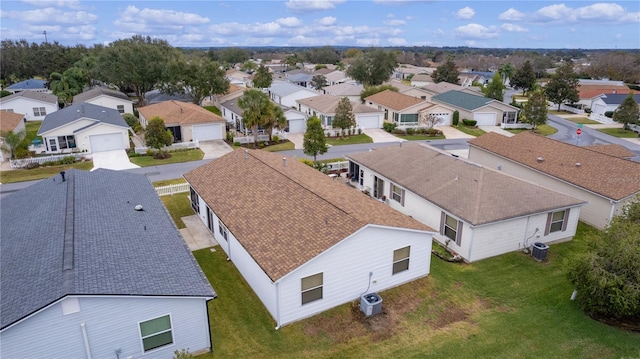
column 480, row 212
column 35, row 85
column 239, row 78
column 421, row 79
column 286, row 93
column 232, row 92
column 589, row 89
column 186, row 121
column 607, row 182
column 325, row 106
column 232, row 113
column 404, row 71
column 297, row 121
column 335, row 77
column 442, row 87
column 103, row 96
column 84, row 127
column 156, row 96
column 608, row 102
column 303, row 241
column 10, row 122
column 484, row 110
column 349, row 89
column 398, row 108
column 301, row 79
column 86, row 273
column 34, row 105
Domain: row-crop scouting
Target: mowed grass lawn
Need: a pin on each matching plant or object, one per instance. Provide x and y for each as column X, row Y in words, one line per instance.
column 504, row 307
column 619, row 132
column 40, row 172
column 349, row 140
column 176, row 157
column 543, row 130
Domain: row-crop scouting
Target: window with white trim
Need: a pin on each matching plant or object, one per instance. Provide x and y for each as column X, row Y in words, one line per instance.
column 222, row 229
column 401, row 259
column 397, row 194
column 39, row 111
column 557, row 221
column 121, row 108
column 311, row 288
column 156, row 333
column 451, row 228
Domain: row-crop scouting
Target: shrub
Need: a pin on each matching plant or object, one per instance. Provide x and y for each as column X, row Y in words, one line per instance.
column 389, row 126
column 587, row 110
column 134, row 154
column 433, row 132
column 49, row 163
column 456, row 117
column 469, row 123
column 359, row 130
column 229, row 137
column 237, row 144
column 276, row 139
column 609, row 114
column 399, row 131
column 68, row 160
column 306, row 161
column 32, row 165
column 411, row 131
column 421, row 130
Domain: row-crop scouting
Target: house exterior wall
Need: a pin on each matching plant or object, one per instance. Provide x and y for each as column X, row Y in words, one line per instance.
column 111, row 323
column 290, row 100
column 112, row 102
column 82, row 138
column 597, row 212
column 25, row 106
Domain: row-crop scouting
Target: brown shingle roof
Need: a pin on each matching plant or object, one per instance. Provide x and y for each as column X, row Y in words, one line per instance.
column 591, row 91
column 609, row 176
column 286, row 215
column 176, row 112
column 612, row 150
column 9, row 120
column 394, row 100
column 477, row 194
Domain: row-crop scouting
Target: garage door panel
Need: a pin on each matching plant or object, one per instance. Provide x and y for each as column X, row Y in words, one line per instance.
column 207, row 132
column 485, row 119
column 368, row 121
column 107, row 142
column 297, row 126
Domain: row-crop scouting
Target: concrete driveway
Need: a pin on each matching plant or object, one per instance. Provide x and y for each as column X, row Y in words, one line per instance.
column 112, row 160
column 214, row 148
column 379, row 135
column 297, row 139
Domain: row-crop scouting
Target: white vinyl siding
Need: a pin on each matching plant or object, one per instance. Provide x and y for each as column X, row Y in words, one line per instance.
column 397, row 194
column 156, row 333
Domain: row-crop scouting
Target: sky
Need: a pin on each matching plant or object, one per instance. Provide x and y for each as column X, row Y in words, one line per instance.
column 378, row 23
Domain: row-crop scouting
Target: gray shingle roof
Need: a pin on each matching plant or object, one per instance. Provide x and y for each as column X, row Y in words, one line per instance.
column 114, row 250
column 78, row 111
column 286, row 88
column 477, row 194
column 38, row 96
column 30, row 84
column 99, row 91
column 462, row 100
column 616, row 99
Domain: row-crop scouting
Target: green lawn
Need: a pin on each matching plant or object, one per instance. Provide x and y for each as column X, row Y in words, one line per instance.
column 504, row 307
column 420, row 137
column 178, row 206
column 214, row 110
column 473, row 131
column 176, row 157
column 583, row 120
column 168, row 182
column 284, row 146
column 544, row 130
column 40, row 172
column 619, row 132
column 350, row 140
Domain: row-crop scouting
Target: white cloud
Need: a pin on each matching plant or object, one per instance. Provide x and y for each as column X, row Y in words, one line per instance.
column 312, row 5
column 513, row 28
column 73, row 4
column 465, row 13
column 289, row 21
column 51, row 16
column 394, row 22
column 554, row 13
column 159, row 16
column 327, row 21
column 602, row 12
column 475, row 31
column 367, row 41
column 511, row 15
column 390, row 16
column 396, row 41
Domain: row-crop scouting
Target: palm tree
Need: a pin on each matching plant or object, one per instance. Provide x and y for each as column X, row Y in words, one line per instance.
column 506, row 71
column 276, row 119
column 255, row 108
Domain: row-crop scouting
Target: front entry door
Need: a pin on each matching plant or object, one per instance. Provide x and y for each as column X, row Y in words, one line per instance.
column 53, row 144
column 378, row 187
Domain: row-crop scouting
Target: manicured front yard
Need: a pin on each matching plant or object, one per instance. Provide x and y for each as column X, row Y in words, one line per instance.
column 420, row 137
column 349, row 140
column 583, row 120
column 178, row 206
column 544, row 130
column 284, row 146
column 473, row 131
column 40, row 172
column 619, row 132
column 504, row 307
column 176, row 157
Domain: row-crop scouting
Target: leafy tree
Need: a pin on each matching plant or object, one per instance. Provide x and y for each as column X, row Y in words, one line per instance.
column 322, row 55
column 229, row 55
column 627, row 112
column 495, row 88
column 4, row 93
column 372, row 90
column 196, row 77
column 373, row 67
column 67, row 84
column 535, row 110
column 447, row 72
column 524, row 78
column 352, row 52
column 563, row 85
column 256, row 109
column 607, row 277
column 318, row 82
column 12, row 141
column 506, row 71
column 292, row 61
column 157, row 136
column 263, row 77
column 275, row 119
column 344, row 118
column 314, row 143
column 249, row 67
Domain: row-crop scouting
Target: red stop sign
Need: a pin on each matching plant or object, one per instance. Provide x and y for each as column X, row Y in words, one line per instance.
column 578, row 131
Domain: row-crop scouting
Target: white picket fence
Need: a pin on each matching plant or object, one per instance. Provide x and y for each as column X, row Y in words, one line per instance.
column 24, row 162
column 175, row 146
column 571, row 109
column 172, row 189
column 262, row 137
column 338, row 166
column 601, row 118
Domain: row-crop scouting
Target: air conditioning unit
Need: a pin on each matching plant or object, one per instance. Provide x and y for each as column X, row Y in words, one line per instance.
column 539, row 251
column 371, row 304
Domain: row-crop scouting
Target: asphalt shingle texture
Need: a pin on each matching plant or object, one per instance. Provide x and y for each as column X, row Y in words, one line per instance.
column 72, row 113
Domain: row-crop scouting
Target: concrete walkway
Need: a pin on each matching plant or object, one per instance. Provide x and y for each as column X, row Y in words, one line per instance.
column 297, row 139
column 214, row 149
column 196, row 235
column 379, row 135
column 496, row 129
column 116, row 160
column 452, row 133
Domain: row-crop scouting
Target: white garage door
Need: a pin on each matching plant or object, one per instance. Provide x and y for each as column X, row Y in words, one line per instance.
column 107, row 142
column 207, row 132
column 368, row 121
column 298, row 126
column 485, row 119
column 445, row 118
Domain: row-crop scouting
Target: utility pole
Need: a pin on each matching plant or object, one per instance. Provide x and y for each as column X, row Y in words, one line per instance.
column 45, row 36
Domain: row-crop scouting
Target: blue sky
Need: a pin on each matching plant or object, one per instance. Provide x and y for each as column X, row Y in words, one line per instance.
column 489, row 24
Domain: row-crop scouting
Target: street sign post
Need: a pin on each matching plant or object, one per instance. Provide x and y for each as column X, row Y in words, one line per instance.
column 578, row 132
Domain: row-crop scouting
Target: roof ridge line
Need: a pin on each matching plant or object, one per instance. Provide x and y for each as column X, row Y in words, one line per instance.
column 69, row 235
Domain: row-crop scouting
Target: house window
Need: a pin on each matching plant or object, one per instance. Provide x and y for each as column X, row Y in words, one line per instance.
column 409, row 118
column 39, row 111
column 397, row 194
column 311, row 288
column 401, row 259
column 195, row 200
column 222, row 229
column 509, row 117
column 121, row 108
column 66, row 142
column 156, row 333
column 451, row 228
column 557, row 221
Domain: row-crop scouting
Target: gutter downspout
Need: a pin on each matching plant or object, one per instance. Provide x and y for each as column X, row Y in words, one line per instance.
column 471, row 241
column 613, row 209
column 277, row 305
column 85, row 338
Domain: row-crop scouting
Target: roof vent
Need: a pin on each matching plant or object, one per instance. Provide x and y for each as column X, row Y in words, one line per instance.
column 540, row 159
column 578, row 164
column 138, row 207
column 284, row 162
column 499, row 167
column 62, row 173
